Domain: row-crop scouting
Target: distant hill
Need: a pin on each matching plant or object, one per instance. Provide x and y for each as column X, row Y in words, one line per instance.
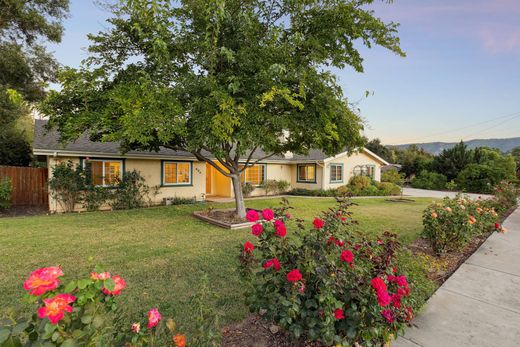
column 505, row 145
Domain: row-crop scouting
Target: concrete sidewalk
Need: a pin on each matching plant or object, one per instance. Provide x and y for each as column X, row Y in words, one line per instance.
column 479, row 305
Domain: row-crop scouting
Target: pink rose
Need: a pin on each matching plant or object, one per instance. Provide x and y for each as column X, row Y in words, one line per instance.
column 347, row 256
column 339, row 314
column 119, row 285
column 153, row 318
column 43, row 280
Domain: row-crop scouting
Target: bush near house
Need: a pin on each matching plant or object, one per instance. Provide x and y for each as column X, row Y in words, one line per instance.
column 449, row 225
column 276, row 187
column 71, row 186
column 393, row 176
column 429, row 180
column 366, row 186
column 325, row 282
column 505, row 197
column 6, row 189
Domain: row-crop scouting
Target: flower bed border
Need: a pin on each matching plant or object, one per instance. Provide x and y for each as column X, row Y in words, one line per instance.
column 233, row 226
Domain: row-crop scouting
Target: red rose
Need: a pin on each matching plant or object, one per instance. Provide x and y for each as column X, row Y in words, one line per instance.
column 404, row 291
column 378, row 284
column 408, row 313
column 401, row 281
column 339, row 314
column 497, row 225
column 268, row 214
column 272, row 262
column 396, row 300
column 389, row 316
column 248, row 247
column 294, row 275
column 257, row 229
column 383, row 298
column 252, row 216
column 281, row 230
column 318, row 223
column 347, row 256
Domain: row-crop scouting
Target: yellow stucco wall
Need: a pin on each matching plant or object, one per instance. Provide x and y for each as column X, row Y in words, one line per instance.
column 276, row 172
column 150, row 169
column 349, row 162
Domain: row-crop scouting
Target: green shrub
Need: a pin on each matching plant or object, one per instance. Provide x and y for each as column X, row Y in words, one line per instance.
column 358, row 183
column 95, row 197
column 130, row 192
column 392, row 176
column 327, row 283
column 313, row 192
column 67, row 185
column 177, row 200
column 449, row 225
column 451, row 185
column 388, row 188
column 247, row 189
column 276, row 187
column 429, row 180
column 369, row 191
column 6, row 189
column 505, row 196
column 479, row 178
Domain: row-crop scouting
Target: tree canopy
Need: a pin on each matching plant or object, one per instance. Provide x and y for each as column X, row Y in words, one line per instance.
column 222, row 79
column 25, row 67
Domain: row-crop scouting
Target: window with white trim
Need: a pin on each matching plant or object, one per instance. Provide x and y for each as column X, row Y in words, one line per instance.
column 306, row 173
column 336, row 173
column 104, row 172
column 365, row 170
column 255, row 175
column 176, row 173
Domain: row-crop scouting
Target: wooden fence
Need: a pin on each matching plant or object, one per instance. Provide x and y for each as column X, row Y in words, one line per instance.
column 29, row 185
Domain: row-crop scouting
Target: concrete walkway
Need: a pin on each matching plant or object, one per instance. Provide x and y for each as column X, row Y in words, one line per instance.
column 479, row 305
column 424, row 193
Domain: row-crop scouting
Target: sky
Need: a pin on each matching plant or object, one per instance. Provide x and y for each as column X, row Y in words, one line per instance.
column 459, row 81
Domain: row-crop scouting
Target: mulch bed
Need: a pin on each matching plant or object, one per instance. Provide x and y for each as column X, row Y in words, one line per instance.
column 226, row 216
column 257, row 332
column 17, row 211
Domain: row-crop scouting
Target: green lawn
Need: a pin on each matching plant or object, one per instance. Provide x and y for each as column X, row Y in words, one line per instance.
column 162, row 252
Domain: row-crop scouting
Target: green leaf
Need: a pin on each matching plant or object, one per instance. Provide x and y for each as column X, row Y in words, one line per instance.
column 49, row 328
column 19, row 328
column 98, row 321
column 86, row 319
column 4, row 334
column 109, row 284
column 69, row 343
column 82, row 284
column 70, row 287
column 55, row 336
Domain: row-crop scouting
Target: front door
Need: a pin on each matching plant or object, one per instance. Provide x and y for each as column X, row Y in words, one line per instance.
column 209, row 176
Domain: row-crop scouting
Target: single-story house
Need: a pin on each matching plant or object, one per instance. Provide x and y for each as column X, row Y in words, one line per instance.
column 180, row 174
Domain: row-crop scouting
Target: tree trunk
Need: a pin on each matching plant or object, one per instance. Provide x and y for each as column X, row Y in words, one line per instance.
column 239, row 197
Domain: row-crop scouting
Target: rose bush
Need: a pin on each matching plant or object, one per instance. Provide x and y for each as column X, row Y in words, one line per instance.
column 82, row 312
column 325, row 282
column 449, row 225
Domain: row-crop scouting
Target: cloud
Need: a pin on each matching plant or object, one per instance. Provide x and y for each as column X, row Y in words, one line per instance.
column 492, row 24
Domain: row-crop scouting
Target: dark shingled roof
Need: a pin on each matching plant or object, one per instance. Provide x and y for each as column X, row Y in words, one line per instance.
column 49, row 141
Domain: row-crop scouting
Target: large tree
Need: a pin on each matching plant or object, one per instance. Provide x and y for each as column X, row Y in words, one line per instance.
column 222, row 79
column 25, row 67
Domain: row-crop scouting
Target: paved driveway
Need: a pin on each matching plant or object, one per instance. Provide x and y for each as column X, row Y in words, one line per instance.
column 423, row 193
column 479, row 305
